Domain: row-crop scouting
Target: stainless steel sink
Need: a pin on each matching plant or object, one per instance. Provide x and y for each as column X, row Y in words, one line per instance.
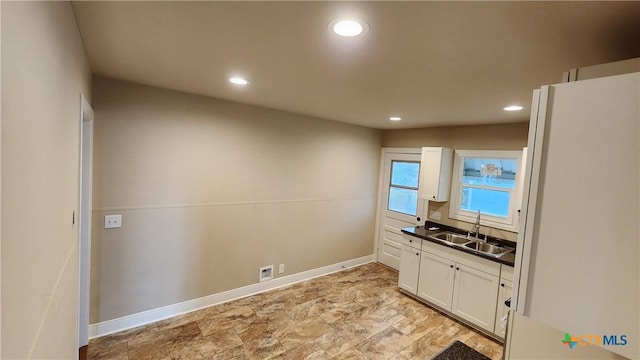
column 487, row 248
column 471, row 244
column 451, row 238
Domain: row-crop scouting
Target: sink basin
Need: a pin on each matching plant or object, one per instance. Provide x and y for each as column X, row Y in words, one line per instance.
column 489, row 249
column 452, row 238
column 472, row 244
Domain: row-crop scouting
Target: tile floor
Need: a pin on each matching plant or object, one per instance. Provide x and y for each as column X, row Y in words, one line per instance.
column 354, row 314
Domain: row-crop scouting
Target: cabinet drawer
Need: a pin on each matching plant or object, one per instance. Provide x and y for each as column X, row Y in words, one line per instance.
column 412, row 241
column 506, row 272
column 476, row 262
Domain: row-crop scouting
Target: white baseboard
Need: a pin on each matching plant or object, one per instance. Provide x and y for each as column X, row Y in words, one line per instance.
column 165, row 312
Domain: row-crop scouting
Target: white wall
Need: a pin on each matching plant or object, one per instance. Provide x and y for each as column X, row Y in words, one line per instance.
column 211, row 190
column 44, row 71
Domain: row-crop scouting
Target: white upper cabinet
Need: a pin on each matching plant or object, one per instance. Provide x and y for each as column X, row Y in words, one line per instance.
column 435, row 173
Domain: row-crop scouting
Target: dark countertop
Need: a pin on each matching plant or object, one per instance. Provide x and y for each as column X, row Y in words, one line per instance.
column 423, row 232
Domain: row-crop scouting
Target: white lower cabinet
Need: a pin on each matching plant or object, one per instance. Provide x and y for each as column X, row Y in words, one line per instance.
column 504, row 293
column 475, row 296
column 462, row 284
column 409, row 269
column 436, row 280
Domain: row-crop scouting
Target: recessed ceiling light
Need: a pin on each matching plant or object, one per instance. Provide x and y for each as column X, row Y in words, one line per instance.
column 395, row 118
column 513, row 108
column 348, row 27
column 238, row 80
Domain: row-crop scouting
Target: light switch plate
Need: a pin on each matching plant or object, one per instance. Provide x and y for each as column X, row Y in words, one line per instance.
column 112, row 221
column 435, row 215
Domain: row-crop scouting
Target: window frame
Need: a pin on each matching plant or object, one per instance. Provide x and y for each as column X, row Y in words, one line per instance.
column 391, row 185
column 515, row 197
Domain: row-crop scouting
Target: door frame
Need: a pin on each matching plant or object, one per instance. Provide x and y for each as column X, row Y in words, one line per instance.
column 85, row 182
column 379, row 213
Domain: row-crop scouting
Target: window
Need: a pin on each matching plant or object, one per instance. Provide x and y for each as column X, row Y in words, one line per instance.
column 403, row 187
column 489, row 181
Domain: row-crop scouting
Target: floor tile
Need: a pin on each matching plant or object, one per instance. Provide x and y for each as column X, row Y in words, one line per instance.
column 263, row 348
column 305, row 351
column 308, row 309
column 226, row 320
column 344, row 296
column 187, row 318
column 344, row 335
column 276, row 301
column 400, row 357
column 306, row 330
column 351, row 354
column 264, row 325
column 343, row 312
column 203, row 347
column 124, row 336
column 114, row 352
column 159, row 344
column 384, row 344
column 358, row 313
column 436, row 340
column 485, row 346
column 237, row 353
column 418, row 326
column 380, row 319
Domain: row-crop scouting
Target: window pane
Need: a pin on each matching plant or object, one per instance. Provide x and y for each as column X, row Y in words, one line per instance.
column 403, row 200
column 490, row 202
column 491, row 172
column 405, row 173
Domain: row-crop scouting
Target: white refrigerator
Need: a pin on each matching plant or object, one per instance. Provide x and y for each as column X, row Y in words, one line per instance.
column 577, row 261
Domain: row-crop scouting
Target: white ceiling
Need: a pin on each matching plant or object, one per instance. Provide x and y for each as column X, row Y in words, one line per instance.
column 433, row 63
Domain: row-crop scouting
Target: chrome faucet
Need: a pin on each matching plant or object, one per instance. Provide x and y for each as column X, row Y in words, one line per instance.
column 477, row 226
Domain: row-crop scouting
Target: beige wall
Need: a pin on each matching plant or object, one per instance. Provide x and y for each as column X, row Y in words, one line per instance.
column 44, row 70
column 212, row 190
column 487, row 137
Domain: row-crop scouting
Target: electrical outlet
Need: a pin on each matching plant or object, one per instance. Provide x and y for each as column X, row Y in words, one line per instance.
column 112, row 221
column 281, row 269
column 435, row 215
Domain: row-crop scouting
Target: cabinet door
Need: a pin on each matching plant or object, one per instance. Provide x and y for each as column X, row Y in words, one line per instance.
column 475, row 294
column 436, row 280
column 409, row 269
column 430, row 173
column 504, row 292
column 435, row 173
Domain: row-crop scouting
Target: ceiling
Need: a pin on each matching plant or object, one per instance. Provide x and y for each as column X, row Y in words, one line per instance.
column 432, row 63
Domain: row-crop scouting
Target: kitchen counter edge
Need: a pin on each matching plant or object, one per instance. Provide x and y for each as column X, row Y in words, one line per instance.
column 423, row 233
